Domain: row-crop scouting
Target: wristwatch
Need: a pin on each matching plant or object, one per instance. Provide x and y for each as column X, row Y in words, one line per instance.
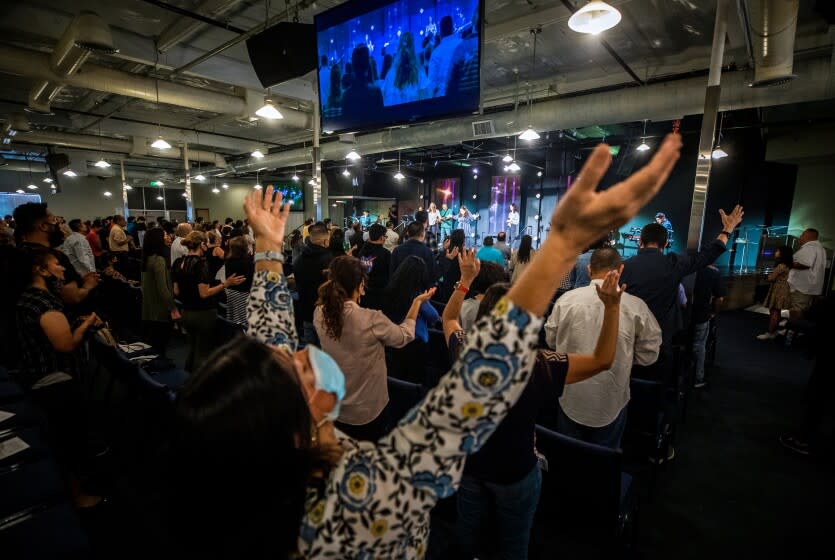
column 269, row 256
column 461, row 288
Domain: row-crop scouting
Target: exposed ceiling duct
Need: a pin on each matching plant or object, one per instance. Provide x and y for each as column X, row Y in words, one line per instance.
column 772, row 25
column 185, row 27
column 135, row 146
column 32, row 64
column 86, row 33
column 655, row 102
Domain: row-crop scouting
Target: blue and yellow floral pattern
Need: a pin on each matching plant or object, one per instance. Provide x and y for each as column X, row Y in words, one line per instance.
column 376, row 502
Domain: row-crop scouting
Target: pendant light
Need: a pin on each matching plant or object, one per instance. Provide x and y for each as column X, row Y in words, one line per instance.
column 257, row 185
column 594, row 18
column 353, row 156
column 295, row 176
column 529, row 133
column 399, row 176
column 644, row 146
column 159, row 143
column 269, row 110
column 718, row 152
column 31, row 186
column 257, row 154
column 102, row 163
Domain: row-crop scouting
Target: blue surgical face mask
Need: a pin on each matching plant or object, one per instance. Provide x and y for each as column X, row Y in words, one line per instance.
column 329, row 379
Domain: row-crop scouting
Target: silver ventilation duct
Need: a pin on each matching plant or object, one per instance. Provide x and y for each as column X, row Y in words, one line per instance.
column 772, row 25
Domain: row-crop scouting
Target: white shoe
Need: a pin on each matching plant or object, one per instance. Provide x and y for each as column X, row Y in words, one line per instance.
column 767, row 336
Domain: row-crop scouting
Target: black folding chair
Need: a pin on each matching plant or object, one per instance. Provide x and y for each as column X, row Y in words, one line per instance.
column 403, row 396
column 649, row 423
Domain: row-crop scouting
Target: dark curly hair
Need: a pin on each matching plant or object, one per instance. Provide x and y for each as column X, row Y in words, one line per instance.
column 345, row 275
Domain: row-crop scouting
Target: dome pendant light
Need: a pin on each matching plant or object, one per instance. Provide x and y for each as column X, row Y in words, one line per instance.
column 594, row 18
column 644, row 146
column 529, row 133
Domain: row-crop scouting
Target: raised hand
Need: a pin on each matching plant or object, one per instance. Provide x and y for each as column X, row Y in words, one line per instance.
column 451, row 255
column 425, row 296
column 730, row 221
column 268, row 219
column 609, row 292
column 469, row 265
column 584, row 215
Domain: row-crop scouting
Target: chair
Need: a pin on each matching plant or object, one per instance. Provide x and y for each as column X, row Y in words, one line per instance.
column 38, row 533
column 403, row 396
column 438, row 362
column 226, row 330
column 10, row 392
column 649, row 422
column 23, row 413
column 585, row 489
column 37, row 447
column 27, row 484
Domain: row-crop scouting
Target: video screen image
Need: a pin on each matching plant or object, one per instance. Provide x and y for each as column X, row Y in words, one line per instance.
column 402, row 61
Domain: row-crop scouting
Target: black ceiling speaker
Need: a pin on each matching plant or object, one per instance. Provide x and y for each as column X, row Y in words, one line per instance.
column 57, row 164
column 283, row 52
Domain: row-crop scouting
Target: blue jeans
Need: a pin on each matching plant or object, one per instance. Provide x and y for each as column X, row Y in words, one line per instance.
column 514, row 506
column 607, row 436
column 700, row 332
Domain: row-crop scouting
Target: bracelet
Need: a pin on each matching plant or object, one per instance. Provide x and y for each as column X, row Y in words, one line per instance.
column 269, row 256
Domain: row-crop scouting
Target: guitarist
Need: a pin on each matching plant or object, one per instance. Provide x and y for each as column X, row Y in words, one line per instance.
column 446, row 218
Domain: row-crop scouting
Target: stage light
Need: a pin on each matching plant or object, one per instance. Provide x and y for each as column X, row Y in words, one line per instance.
column 536, row 218
column 353, row 156
column 539, row 173
column 161, row 144
column 507, row 158
column 421, row 181
column 473, row 235
column 529, row 134
column 421, row 197
column 269, row 111
column 32, row 187
column 538, row 195
column 102, row 164
column 199, row 177
column 215, row 190
column 108, row 194
column 475, row 196
column 719, row 153
column 70, row 173
column 595, row 17
column 224, row 186
column 257, row 154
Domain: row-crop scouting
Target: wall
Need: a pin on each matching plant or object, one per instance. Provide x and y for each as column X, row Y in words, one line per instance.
column 814, row 200
column 80, row 197
column 229, row 203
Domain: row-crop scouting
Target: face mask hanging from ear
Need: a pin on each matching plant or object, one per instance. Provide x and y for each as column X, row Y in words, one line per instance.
column 329, row 379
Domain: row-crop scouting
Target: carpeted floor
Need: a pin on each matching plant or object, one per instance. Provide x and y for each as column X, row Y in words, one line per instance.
column 731, row 491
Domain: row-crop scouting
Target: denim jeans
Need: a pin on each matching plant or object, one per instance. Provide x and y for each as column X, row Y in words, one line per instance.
column 607, row 436
column 514, row 506
column 700, row 332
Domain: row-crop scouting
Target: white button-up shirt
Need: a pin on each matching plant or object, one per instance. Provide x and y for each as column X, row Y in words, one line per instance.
column 573, row 328
column 178, row 249
column 78, row 250
column 809, row 281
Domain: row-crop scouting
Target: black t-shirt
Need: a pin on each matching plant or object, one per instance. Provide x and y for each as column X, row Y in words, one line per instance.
column 188, row 272
column 243, row 267
column 509, row 453
column 377, row 262
column 707, row 287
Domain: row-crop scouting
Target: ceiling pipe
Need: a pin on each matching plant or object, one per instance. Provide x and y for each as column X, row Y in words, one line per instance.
column 86, row 33
column 656, row 102
column 773, row 27
column 32, row 64
column 187, row 26
column 134, row 146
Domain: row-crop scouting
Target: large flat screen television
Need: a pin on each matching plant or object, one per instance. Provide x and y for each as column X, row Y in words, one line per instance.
column 389, row 62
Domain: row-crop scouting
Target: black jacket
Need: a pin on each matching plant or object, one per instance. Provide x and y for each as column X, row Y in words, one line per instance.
column 309, row 270
column 419, row 249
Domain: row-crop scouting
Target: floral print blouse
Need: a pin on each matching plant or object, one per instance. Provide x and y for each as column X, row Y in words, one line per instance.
column 375, row 503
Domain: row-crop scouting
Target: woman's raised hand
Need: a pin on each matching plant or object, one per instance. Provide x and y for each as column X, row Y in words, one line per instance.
column 267, row 218
column 469, row 266
column 425, row 296
column 585, row 215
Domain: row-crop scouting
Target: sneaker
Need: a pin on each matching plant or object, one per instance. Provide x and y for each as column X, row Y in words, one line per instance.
column 767, row 336
column 794, row 444
column 700, row 384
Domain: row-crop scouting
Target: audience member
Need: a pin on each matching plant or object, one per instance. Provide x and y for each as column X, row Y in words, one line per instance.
column 158, row 307
column 807, row 274
column 37, row 226
column 339, row 245
column 502, row 246
column 392, row 237
column 310, row 275
column 177, row 248
column 447, row 264
column 595, row 410
column 193, row 286
column 118, row 241
column 488, row 253
column 489, row 274
column 521, row 257
column 377, row 263
column 356, row 339
column 580, row 273
column 708, row 293
column 215, row 256
column 415, row 245
column 779, row 293
column 77, row 248
column 238, row 263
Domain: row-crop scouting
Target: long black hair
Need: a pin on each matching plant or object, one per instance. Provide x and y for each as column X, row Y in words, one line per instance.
column 410, row 278
column 523, row 255
column 457, row 239
column 153, row 244
column 786, row 256
column 242, row 455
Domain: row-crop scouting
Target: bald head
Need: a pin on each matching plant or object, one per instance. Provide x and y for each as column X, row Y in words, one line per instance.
column 183, row 229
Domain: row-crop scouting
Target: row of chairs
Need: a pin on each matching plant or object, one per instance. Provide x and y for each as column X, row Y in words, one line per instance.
column 36, row 518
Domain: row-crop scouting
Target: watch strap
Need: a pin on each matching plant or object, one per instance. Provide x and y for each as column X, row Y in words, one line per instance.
column 269, row 256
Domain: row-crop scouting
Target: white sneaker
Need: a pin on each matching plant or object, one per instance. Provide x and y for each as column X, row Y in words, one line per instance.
column 767, row 336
